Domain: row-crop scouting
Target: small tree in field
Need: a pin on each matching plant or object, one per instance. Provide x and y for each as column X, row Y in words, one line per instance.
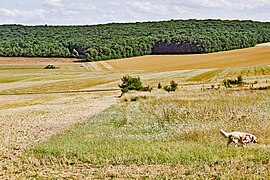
column 132, row 83
column 172, row 87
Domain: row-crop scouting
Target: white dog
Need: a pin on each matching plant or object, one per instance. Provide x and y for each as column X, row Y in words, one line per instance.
column 238, row 137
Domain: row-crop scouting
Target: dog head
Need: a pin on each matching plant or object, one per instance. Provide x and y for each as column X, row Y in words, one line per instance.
column 254, row 139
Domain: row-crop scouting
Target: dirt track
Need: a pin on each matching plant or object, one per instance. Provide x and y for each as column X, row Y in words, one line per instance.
column 29, row 119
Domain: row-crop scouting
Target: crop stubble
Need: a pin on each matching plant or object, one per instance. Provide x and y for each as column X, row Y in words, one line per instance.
column 26, row 120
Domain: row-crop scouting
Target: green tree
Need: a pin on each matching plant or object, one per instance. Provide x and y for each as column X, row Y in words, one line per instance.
column 132, row 83
column 91, row 54
column 113, row 41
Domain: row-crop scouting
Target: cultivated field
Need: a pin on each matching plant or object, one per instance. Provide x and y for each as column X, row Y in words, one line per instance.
column 257, row 56
column 70, row 122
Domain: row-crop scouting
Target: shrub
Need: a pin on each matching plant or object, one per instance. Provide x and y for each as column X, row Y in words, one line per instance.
column 159, row 86
column 229, row 82
column 147, row 88
column 172, row 87
column 132, row 83
column 240, row 80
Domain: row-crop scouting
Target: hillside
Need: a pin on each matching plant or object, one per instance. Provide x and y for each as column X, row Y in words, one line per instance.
column 115, row 40
column 69, row 122
column 256, row 56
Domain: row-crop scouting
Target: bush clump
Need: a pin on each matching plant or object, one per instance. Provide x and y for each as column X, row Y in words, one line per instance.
column 133, row 83
column 159, row 86
column 172, row 87
column 229, row 82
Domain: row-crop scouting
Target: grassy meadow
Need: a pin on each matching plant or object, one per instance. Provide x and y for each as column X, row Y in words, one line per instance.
column 50, row 129
column 174, row 136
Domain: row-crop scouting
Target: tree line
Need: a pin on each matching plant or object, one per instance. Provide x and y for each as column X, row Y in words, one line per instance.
column 121, row 40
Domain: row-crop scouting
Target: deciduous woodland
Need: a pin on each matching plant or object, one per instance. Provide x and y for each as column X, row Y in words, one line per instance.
column 113, row 41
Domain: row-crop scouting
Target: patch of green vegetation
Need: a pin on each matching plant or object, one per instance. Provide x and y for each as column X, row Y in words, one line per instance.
column 172, row 87
column 128, row 134
column 122, row 134
column 26, row 103
column 62, row 86
column 53, row 77
column 229, row 82
column 12, row 79
column 179, row 137
column 207, row 76
column 248, row 71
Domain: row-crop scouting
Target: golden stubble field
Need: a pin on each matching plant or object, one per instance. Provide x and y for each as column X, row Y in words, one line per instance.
column 38, row 103
column 256, row 56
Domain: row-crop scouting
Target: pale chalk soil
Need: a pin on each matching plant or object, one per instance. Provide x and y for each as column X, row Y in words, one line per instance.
column 26, row 120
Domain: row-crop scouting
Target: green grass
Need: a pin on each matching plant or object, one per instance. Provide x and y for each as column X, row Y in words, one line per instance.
column 63, row 86
column 11, row 79
column 179, row 136
column 157, row 136
column 207, row 76
column 116, row 135
column 248, row 71
column 31, row 102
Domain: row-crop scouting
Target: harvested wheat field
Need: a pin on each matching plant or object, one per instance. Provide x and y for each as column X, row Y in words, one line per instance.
column 71, row 123
column 263, row 45
column 33, row 61
column 256, row 56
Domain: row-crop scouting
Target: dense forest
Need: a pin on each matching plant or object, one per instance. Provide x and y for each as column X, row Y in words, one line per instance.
column 120, row 40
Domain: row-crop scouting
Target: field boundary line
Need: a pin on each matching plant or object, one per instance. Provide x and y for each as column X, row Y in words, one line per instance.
column 61, row 92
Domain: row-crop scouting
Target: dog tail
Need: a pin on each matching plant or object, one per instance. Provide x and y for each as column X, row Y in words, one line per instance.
column 224, row 134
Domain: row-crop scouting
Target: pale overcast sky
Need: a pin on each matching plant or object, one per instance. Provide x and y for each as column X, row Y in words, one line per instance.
column 67, row 12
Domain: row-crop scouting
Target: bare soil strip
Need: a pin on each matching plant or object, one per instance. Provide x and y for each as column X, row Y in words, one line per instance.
column 29, row 119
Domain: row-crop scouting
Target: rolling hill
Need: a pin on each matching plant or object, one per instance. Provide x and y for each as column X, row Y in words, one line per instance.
column 256, row 56
column 123, row 40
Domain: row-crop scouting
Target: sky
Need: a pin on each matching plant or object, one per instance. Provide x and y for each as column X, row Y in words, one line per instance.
column 82, row 12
